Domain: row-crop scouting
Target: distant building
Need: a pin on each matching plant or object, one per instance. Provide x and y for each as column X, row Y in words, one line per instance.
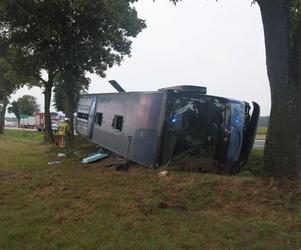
column 11, row 122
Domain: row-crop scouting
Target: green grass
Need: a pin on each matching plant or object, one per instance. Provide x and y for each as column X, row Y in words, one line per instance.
column 23, row 135
column 261, row 133
column 74, row 206
column 255, row 163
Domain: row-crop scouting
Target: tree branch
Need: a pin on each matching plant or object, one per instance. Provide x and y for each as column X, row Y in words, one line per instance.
column 42, row 80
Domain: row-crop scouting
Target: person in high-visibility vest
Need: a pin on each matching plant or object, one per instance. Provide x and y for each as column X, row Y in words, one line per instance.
column 63, row 129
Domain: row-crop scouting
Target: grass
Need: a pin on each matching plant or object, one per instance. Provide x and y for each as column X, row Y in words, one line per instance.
column 74, row 206
column 261, row 133
column 255, row 163
column 23, row 135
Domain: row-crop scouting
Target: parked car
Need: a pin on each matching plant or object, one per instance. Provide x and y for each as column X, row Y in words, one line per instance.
column 55, row 127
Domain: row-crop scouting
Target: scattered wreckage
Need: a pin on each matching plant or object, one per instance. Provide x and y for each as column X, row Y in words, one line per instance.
column 154, row 128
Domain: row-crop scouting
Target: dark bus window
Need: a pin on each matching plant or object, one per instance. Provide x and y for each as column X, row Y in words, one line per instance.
column 99, row 118
column 194, row 127
column 83, row 116
column 117, row 122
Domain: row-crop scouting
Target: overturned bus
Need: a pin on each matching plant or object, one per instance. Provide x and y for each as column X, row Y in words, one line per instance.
column 153, row 128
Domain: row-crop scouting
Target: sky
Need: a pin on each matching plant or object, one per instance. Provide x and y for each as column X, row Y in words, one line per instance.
column 216, row 44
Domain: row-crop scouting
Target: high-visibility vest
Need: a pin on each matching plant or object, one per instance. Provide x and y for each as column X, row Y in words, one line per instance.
column 63, row 127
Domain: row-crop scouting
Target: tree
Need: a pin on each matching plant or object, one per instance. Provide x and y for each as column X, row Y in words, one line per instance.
column 15, row 109
column 64, row 36
column 26, row 104
column 282, row 29
column 6, row 89
column 26, row 61
column 66, row 97
column 93, row 43
column 10, row 81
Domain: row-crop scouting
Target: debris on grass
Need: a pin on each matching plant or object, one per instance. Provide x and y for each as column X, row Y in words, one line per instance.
column 61, row 155
column 54, row 162
column 163, row 173
column 120, row 165
column 94, row 157
column 115, row 163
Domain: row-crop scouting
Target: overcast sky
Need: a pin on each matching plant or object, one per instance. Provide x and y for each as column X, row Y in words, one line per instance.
column 219, row 45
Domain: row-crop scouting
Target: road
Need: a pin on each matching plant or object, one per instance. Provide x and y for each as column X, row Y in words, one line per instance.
column 259, row 144
column 24, row 129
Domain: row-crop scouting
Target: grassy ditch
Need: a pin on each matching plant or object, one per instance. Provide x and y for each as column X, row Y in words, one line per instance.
column 75, row 206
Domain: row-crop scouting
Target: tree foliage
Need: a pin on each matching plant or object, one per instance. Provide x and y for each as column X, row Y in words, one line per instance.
column 62, row 91
column 10, row 79
column 7, row 87
column 15, row 109
column 67, row 36
column 26, row 104
column 94, row 33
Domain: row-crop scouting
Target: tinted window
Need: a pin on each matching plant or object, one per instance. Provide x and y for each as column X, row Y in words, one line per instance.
column 99, row 118
column 117, row 122
column 83, row 116
column 194, row 126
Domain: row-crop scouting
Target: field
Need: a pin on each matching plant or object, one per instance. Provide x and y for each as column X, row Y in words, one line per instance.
column 261, row 133
column 75, row 206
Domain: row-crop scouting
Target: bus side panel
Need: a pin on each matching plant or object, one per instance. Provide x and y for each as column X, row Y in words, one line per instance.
column 137, row 132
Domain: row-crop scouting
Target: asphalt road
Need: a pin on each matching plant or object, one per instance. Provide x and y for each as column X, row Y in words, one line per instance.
column 259, row 144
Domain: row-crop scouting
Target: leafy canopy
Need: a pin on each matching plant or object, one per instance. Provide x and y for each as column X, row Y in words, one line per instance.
column 10, row 80
column 92, row 34
column 63, row 91
column 6, row 86
column 26, row 104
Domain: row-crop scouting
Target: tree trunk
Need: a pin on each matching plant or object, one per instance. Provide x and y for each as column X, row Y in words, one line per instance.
column 282, row 156
column 69, row 114
column 48, row 137
column 2, row 115
column 69, row 87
